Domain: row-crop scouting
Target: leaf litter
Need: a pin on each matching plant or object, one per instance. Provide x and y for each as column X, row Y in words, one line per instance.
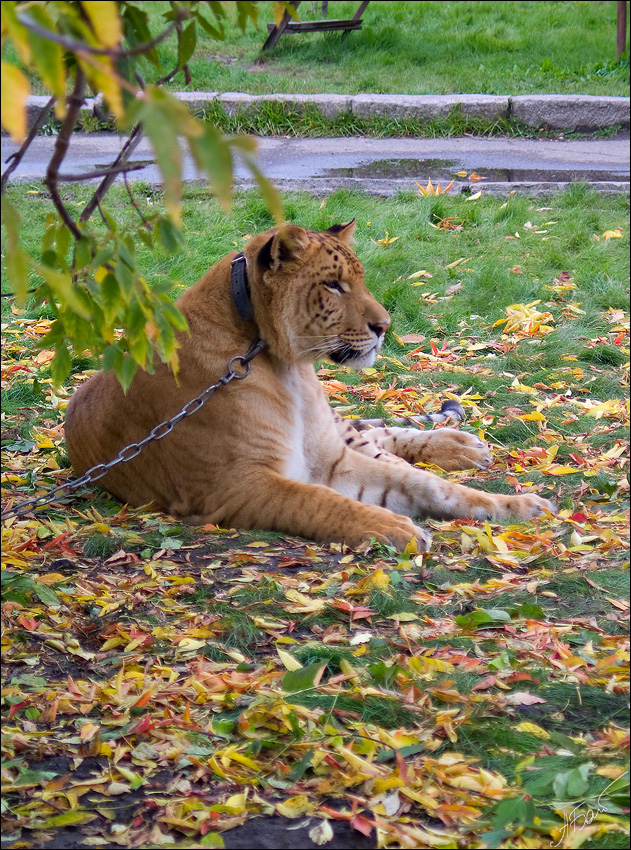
column 167, row 686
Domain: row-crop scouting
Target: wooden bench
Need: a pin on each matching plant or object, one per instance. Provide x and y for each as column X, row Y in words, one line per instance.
column 288, row 26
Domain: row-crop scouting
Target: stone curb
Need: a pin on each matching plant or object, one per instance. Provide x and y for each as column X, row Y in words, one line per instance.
column 322, row 186
column 582, row 113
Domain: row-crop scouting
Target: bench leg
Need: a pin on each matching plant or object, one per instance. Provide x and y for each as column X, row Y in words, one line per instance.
column 279, row 29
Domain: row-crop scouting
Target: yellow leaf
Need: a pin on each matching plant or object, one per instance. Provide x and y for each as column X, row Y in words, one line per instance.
column 612, row 234
column 532, row 729
column 101, row 76
column 134, row 643
column 88, row 731
column 403, row 617
column 378, row 579
column 112, row 643
column 15, row 90
column 474, row 197
column 461, row 173
column 51, row 578
column 535, row 416
column 304, row 604
column 558, row 469
column 611, row 771
column 294, row 807
column 411, row 547
column 457, row 263
column 188, row 644
column 214, row 765
column 244, row 760
column 360, row 764
column 347, row 668
column 289, row 662
column 103, row 15
column 18, row 34
column 236, row 803
column 279, row 10
column 266, row 623
column 426, row 664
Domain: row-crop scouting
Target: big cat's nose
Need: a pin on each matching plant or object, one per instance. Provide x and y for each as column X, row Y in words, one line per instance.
column 379, row 328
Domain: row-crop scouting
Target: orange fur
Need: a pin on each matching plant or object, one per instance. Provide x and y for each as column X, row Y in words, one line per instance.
column 268, row 452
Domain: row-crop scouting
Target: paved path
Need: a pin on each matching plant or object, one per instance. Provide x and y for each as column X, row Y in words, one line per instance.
column 378, row 166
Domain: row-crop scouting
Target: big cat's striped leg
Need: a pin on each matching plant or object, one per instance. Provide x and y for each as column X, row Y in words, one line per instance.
column 267, row 500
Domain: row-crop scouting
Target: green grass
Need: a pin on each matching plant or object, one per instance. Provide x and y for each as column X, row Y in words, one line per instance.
column 487, row 280
column 281, row 119
column 507, row 48
column 423, row 48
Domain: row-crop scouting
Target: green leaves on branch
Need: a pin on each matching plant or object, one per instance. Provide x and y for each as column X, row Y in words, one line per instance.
column 89, row 277
column 99, row 298
column 164, row 119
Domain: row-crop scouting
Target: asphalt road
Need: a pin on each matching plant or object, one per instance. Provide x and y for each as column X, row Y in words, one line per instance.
column 378, row 166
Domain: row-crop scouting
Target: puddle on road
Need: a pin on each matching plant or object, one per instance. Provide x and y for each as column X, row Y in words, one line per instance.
column 444, row 170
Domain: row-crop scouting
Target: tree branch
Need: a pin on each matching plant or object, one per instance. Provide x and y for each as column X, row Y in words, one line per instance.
column 16, row 158
column 104, row 172
column 126, row 151
column 135, row 205
column 76, row 46
column 74, row 103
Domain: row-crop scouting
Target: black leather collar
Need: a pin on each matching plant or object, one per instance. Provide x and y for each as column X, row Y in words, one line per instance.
column 241, row 288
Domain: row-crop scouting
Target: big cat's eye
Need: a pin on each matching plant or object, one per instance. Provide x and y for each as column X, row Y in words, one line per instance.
column 334, row 286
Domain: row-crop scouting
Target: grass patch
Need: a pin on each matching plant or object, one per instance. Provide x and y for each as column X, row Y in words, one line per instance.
column 416, row 48
column 280, row 119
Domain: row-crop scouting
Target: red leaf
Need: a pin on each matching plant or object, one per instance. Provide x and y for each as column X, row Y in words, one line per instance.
column 412, row 338
column 362, row 824
column 144, row 725
column 520, row 677
column 333, row 813
column 483, row 684
column 578, row 517
column 403, row 768
column 142, row 701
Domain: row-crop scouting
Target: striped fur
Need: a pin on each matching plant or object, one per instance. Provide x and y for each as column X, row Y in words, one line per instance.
column 268, row 452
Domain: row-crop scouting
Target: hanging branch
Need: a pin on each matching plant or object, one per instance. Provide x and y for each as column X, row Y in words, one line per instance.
column 126, row 151
column 77, row 46
column 16, row 158
column 105, row 172
column 135, row 204
column 74, row 103
column 107, row 63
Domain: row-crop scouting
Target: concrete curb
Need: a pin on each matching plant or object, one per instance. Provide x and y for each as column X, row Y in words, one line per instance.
column 581, row 113
column 322, row 186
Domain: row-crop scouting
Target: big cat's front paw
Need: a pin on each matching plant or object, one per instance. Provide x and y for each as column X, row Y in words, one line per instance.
column 454, row 450
column 529, row 506
column 398, row 532
column 495, row 507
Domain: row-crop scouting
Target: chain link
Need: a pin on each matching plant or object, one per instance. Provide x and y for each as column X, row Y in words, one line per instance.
column 238, row 369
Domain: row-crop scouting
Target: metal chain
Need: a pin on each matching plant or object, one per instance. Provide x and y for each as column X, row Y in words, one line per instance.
column 239, row 361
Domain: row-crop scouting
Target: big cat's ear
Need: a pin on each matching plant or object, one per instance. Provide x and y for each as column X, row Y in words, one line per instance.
column 286, row 246
column 344, row 232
